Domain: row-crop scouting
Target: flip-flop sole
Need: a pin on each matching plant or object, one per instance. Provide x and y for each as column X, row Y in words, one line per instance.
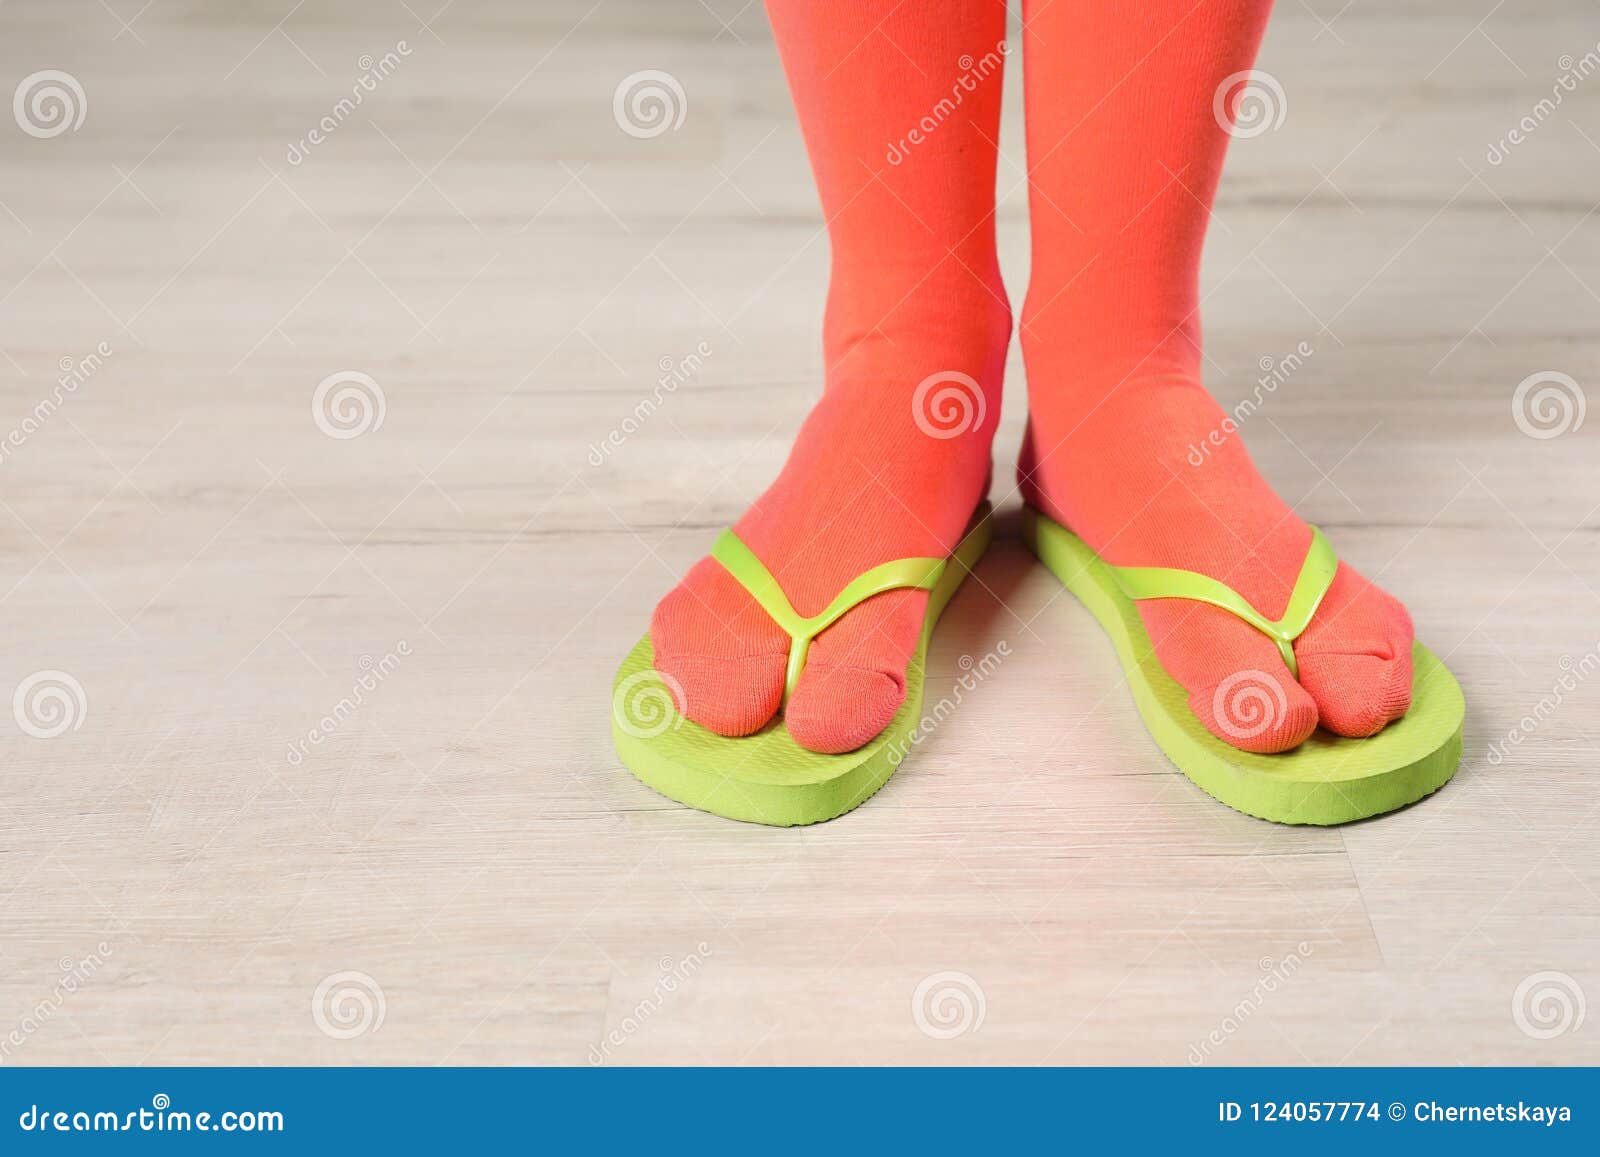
column 1328, row 779
column 768, row 778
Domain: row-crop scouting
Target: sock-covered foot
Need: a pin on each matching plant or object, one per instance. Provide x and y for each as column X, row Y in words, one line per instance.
column 1124, row 481
column 1125, row 446
column 863, row 485
column 895, row 457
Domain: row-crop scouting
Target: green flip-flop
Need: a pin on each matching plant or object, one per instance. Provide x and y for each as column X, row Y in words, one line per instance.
column 768, row 778
column 1328, row 779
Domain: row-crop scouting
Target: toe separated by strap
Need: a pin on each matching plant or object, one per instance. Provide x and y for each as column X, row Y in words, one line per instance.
column 1316, row 576
column 751, row 573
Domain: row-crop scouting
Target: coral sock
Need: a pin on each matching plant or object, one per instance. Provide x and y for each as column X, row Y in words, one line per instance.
column 900, row 105
column 1125, row 147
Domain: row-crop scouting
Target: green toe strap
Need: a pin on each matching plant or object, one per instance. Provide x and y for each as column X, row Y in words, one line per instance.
column 1316, row 576
column 752, row 574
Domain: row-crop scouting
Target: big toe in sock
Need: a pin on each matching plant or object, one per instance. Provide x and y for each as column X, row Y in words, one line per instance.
column 1238, row 684
column 724, row 660
column 1260, row 709
column 1355, row 657
column 854, row 679
column 722, row 656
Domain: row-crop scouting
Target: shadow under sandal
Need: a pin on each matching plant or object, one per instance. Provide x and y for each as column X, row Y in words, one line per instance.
column 1329, row 779
column 768, row 778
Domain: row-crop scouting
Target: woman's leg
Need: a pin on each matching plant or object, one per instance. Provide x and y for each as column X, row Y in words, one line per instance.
column 1124, row 153
column 900, row 107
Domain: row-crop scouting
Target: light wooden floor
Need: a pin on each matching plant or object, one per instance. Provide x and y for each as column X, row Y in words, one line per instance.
column 215, row 573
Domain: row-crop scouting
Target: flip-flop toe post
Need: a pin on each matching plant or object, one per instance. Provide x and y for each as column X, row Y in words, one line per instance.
column 1329, row 779
column 768, row 777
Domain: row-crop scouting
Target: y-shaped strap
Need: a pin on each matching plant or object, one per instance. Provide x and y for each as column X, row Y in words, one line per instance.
column 741, row 562
column 1316, row 576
